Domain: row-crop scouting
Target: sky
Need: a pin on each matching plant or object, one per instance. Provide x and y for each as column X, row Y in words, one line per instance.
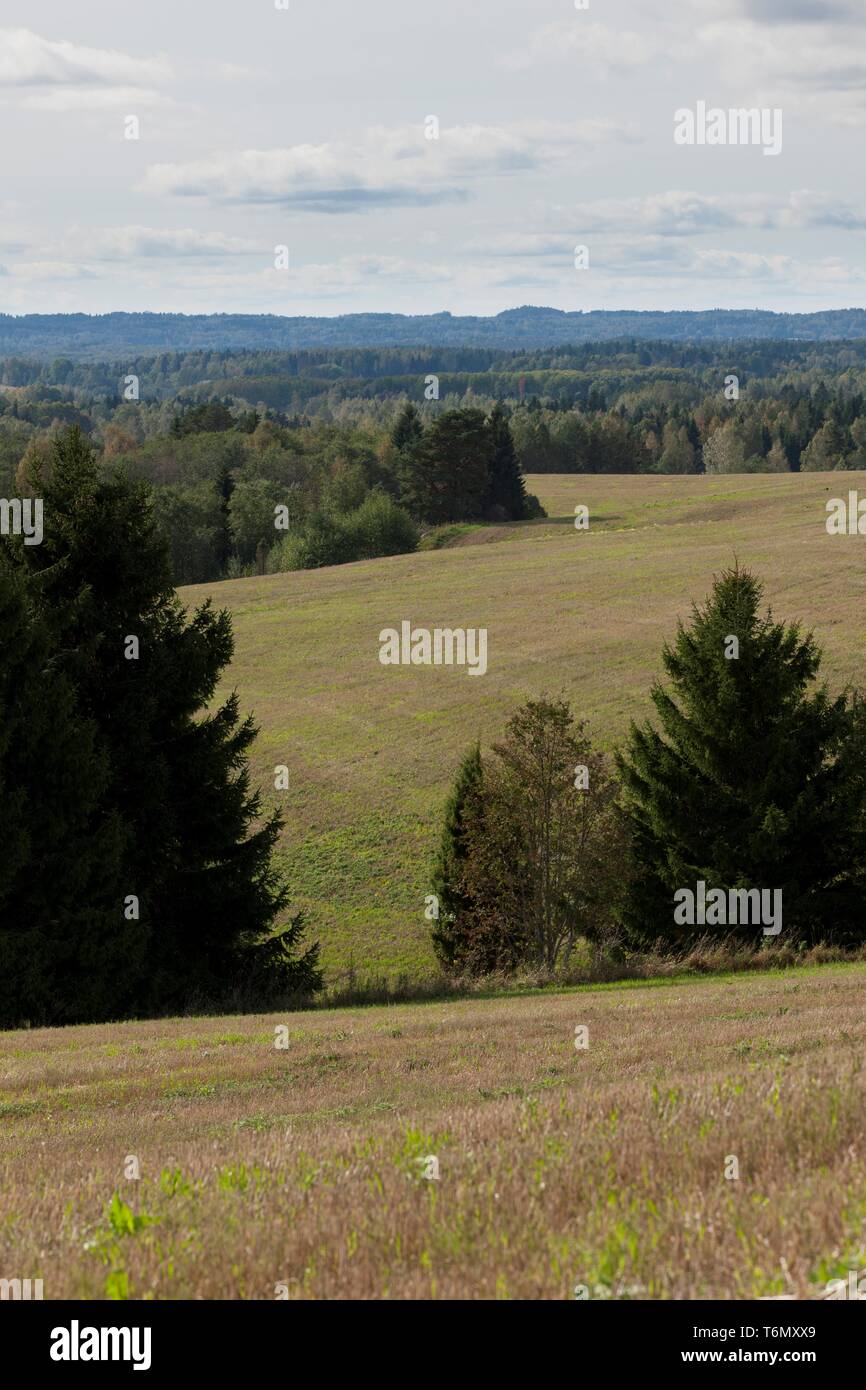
column 416, row 156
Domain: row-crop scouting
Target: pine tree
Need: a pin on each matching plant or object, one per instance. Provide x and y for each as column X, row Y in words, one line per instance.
column 66, row 951
column 756, row 779
column 198, row 856
column 454, row 905
column 505, row 496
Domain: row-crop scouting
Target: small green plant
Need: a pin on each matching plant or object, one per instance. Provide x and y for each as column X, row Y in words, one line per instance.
column 124, row 1221
column 121, row 1223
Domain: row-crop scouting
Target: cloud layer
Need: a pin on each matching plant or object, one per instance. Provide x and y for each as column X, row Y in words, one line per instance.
column 554, row 128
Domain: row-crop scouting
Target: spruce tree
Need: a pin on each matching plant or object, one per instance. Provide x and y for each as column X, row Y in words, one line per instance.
column 755, row 779
column 66, row 951
column 225, row 486
column 197, row 852
column 406, row 437
column 505, row 497
column 446, row 472
column 454, row 904
column 408, row 428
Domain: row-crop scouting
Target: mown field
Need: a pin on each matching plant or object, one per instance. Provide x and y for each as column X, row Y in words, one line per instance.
column 371, row 749
column 306, row 1172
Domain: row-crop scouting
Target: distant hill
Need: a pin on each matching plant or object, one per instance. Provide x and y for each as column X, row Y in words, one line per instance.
column 106, row 336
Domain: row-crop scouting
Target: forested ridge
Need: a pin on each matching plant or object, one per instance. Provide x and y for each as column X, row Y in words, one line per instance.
column 100, row 335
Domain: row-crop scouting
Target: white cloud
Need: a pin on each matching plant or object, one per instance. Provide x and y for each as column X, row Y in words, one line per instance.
column 27, row 59
column 808, row 209
column 783, row 269
column 366, row 270
column 68, row 76
column 680, row 213
column 260, row 282
column 44, row 272
column 236, row 162
column 94, row 99
column 670, row 213
column 674, row 214
column 386, row 167
column 815, row 66
column 546, row 259
column 132, row 243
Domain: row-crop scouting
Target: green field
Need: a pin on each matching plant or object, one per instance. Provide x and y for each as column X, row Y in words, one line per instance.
column 371, row 749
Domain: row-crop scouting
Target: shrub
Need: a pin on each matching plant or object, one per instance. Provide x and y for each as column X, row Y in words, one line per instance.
column 380, row 527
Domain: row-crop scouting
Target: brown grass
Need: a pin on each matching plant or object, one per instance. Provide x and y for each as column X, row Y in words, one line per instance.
column 558, row 1167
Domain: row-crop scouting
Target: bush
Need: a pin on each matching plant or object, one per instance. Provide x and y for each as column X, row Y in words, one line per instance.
column 378, row 527
column 322, row 541
column 381, row 527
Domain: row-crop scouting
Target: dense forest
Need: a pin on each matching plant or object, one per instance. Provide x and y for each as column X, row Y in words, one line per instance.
column 263, row 461
column 530, row 326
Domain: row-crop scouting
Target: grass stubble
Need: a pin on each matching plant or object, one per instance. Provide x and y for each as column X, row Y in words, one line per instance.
column 300, row 1172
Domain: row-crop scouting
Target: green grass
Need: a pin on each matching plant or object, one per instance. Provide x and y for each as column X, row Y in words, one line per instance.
column 372, row 750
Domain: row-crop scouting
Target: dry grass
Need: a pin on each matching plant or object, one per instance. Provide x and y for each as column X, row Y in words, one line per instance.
column 558, row 1167
column 372, row 750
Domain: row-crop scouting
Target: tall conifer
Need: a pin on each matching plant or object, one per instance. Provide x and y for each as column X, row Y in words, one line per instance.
column 197, row 849
column 755, row 778
column 506, row 492
column 66, row 951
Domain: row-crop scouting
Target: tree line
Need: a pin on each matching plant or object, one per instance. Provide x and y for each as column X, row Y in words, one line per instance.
column 235, row 495
column 87, row 336
column 629, row 406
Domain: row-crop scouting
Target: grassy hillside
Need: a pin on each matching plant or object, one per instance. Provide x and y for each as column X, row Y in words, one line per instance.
column 371, row 749
column 557, row 1167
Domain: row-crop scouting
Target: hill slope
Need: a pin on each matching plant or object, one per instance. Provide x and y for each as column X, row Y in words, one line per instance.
column 371, row 749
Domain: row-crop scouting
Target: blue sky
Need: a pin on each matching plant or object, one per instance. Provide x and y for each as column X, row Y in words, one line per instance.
column 307, row 127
